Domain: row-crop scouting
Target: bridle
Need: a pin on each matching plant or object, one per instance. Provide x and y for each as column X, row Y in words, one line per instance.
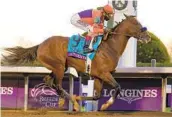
column 115, row 33
column 143, row 29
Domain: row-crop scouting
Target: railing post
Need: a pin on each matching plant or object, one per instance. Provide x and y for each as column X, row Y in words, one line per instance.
column 153, row 63
column 80, row 91
column 164, row 94
column 164, row 84
column 71, row 82
column 26, row 87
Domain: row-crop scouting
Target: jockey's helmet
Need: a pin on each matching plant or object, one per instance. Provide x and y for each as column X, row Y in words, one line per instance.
column 108, row 12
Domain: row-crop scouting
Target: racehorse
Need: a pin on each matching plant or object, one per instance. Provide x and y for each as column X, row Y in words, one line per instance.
column 52, row 53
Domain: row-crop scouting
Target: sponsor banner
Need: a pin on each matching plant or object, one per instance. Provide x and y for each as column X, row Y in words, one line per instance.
column 136, row 94
column 41, row 95
column 169, row 91
column 12, row 92
column 169, row 98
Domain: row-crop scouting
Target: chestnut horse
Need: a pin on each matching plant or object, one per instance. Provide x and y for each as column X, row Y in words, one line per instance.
column 52, row 53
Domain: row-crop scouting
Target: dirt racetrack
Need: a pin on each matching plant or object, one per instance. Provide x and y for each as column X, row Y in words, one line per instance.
column 82, row 114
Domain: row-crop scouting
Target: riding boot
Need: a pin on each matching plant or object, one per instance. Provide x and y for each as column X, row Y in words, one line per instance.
column 86, row 47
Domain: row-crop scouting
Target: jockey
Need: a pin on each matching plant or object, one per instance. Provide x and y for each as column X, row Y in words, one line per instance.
column 92, row 21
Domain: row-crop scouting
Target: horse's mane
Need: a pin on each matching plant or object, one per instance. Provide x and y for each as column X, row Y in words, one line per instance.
column 118, row 23
column 116, row 26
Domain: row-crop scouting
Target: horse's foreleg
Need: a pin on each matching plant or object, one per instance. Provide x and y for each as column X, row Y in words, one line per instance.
column 108, row 78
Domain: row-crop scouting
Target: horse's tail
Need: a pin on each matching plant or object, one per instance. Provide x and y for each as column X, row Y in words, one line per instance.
column 19, row 55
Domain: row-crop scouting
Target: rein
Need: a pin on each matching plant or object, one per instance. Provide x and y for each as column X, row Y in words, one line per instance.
column 114, row 33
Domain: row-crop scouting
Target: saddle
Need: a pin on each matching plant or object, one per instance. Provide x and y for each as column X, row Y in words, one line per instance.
column 76, row 46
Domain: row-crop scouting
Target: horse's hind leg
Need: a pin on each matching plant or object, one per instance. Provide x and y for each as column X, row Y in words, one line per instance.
column 108, row 78
column 59, row 76
column 50, row 79
column 58, row 68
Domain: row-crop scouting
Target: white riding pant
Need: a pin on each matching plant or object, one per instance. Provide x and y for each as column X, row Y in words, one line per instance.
column 76, row 21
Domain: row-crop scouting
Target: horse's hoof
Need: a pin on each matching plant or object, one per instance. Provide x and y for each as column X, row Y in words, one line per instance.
column 76, row 106
column 61, row 102
column 78, row 98
column 104, row 107
column 75, row 103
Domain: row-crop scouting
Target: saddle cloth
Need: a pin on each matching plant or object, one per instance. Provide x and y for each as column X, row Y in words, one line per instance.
column 76, row 47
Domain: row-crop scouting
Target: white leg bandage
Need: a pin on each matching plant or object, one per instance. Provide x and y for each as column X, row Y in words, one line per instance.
column 88, row 64
column 111, row 100
column 91, row 43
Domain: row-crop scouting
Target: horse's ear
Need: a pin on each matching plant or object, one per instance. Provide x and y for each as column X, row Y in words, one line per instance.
column 126, row 16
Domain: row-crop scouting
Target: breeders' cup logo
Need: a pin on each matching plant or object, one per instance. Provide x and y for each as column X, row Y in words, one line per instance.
column 42, row 89
column 45, row 95
column 130, row 95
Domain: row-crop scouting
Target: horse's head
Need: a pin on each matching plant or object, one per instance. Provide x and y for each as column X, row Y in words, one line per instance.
column 136, row 30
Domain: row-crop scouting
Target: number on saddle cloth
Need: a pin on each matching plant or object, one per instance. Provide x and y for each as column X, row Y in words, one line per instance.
column 76, row 47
